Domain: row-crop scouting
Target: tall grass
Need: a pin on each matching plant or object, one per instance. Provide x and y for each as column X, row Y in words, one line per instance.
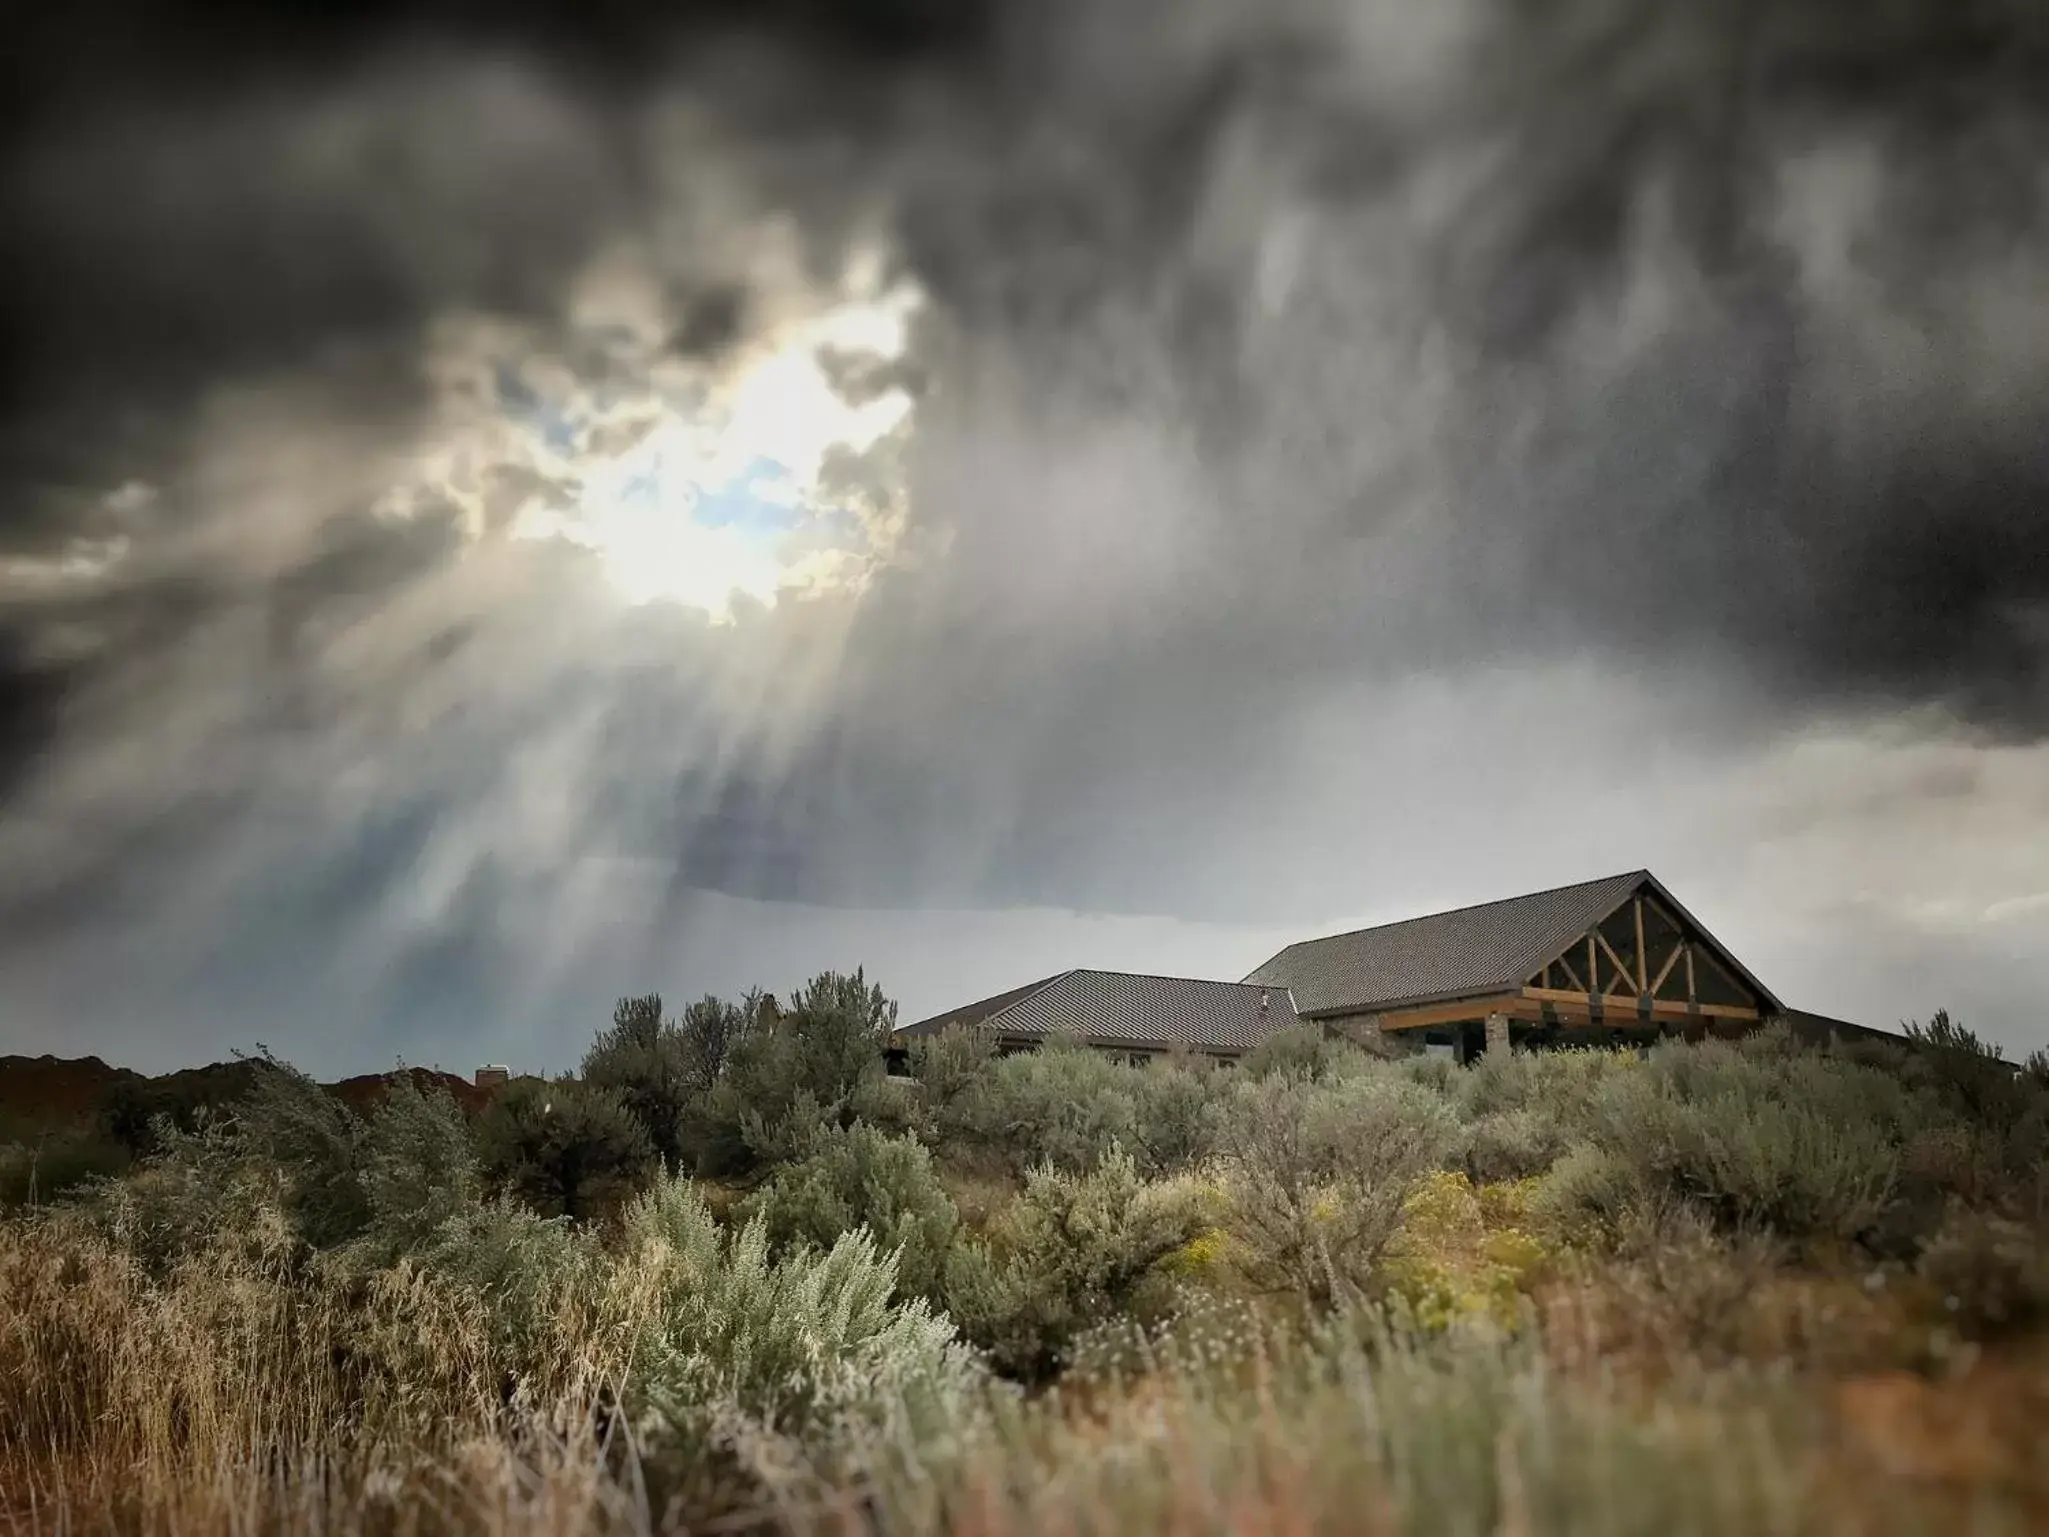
column 1723, row 1290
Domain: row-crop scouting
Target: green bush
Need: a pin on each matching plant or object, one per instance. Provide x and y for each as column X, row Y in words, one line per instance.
column 856, row 1178
column 202, row 1190
column 1800, row 1145
column 1318, row 1173
column 523, row 1267
column 1437, row 1073
column 284, row 1170
column 664, row 1072
column 1172, row 1127
column 416, row 1167
column 816, row 1065
column 948, row 1071
column 1991, row 1274
column 1363, row 1428
column 810, row 1346
column 644, row 1063
column 1513, row 1144
column 1559, row 1085
column 1299, row 1051
column 1587, row 1196
column 1064, row 1105
column 312, row 1139
column 1071, row 1252
column 564, row 1148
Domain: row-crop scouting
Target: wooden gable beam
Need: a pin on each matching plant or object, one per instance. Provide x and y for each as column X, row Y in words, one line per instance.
column 1579, row 983
column 1630, row 993
column 1458, row 1011
column 1724, row 961
column 1605, row 1005
column 1609, row 950
column 1678, row 949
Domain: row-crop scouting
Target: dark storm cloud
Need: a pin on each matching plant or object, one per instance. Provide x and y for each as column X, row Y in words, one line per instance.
column 1268, row 348
column 1054, row 171
column 1825, row 466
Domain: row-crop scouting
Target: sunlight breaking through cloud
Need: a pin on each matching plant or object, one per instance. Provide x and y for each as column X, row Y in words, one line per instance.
column 691, row 482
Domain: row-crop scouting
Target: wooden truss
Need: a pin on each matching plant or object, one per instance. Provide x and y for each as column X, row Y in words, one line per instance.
column 1642, row 964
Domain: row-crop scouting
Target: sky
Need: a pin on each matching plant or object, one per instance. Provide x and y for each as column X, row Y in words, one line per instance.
column 504, row 507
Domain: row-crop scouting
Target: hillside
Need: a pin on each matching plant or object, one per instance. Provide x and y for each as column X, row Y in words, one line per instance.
column 48, row 1094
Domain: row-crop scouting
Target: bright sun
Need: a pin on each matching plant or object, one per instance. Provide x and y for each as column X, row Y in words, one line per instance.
column 725, row 499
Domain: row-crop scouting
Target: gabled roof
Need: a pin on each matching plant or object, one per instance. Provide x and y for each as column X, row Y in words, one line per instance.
column 1493, row 947
column 1122, row 1009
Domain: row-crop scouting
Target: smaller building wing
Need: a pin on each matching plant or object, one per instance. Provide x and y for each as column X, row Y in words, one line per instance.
column 978, row 1013
column 1114, row 1008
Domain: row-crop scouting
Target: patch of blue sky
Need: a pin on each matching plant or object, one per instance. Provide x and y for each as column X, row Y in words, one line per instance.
column 763, row 498
column 527, row 405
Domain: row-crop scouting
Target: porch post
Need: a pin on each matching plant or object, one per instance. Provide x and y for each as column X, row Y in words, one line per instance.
column 1497, row 1034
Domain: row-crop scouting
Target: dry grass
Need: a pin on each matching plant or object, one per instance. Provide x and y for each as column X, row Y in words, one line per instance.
column 241, row 1394
column 1594, row 1352
column 1461, row 1436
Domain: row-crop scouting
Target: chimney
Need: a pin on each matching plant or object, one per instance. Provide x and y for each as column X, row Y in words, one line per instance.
column 1265, row 1000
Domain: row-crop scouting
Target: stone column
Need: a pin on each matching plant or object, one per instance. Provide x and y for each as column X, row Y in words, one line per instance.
column 1497, row 1034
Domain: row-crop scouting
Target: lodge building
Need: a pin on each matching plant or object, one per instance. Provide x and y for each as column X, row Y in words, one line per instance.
column 1612, row 961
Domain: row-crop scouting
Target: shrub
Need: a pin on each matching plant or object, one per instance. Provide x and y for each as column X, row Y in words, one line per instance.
column 564, row 1148
column 1318, row 1173
column 1063, row 1105
column 665, row 1072
column 1558, row 1085
column 738, row 1345
column 416, row 1167
column 1070, row 1252
column 1513, row 1144
column 1805, row 1146
column 949, row 1070
column 1298, row 1051
column 524, row 1268
column 1367, row 1429
column 201, row 1191
column 1462, row 1252
column 1432, row 1071
column 311, row 1138
column 1585, row 1196
column 861, row 1178
column 1991, row 1274
column 806, row 1069
column 1172, row 1127
column 645, row 1064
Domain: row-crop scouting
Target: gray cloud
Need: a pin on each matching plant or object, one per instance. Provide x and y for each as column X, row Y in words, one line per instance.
column 1277, row 363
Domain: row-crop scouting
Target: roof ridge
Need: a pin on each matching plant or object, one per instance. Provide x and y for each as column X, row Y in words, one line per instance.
column 1158, row 976
column 1022, row 992
column 1470, row 907
column 1026, row 994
